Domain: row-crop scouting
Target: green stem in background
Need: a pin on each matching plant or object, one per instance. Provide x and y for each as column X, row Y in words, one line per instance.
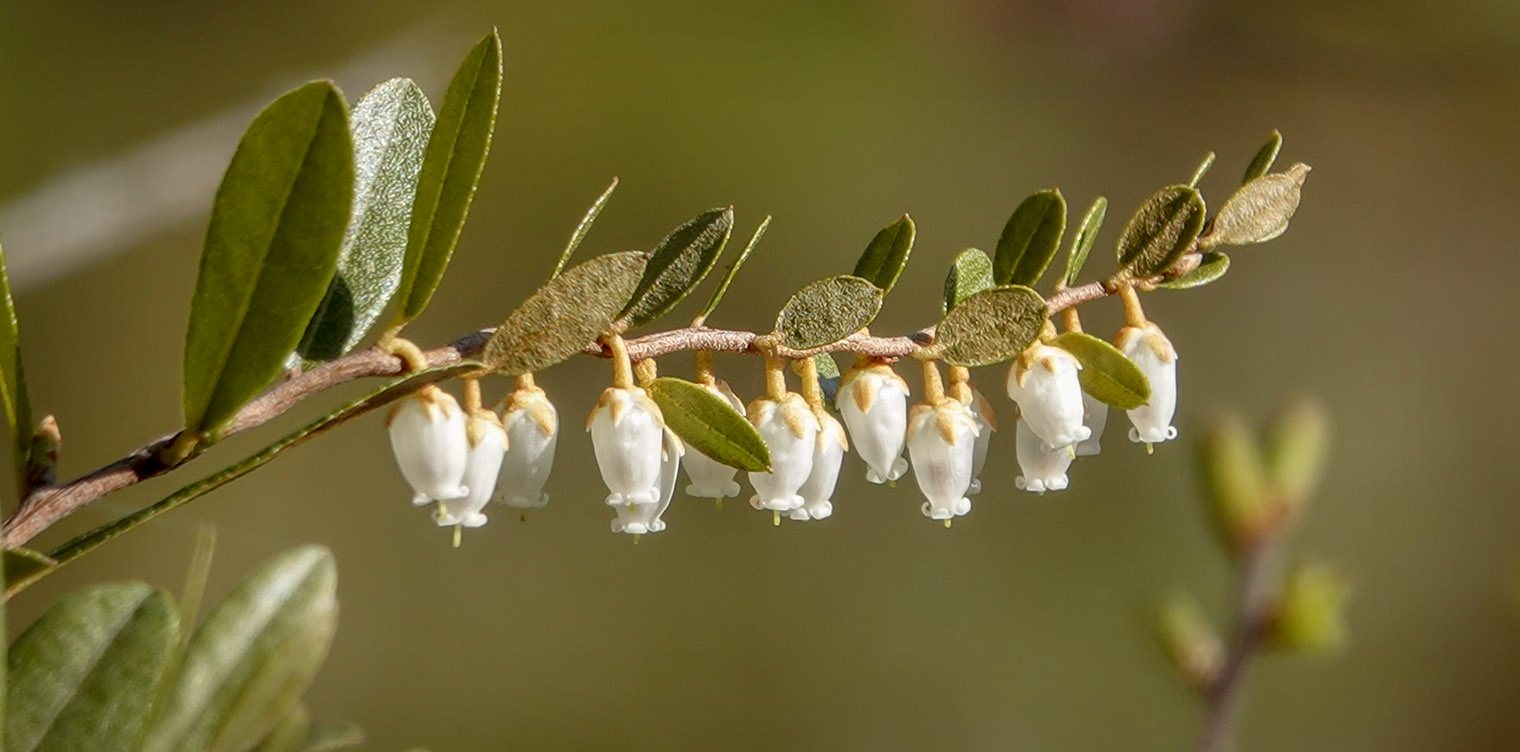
column 1224, row 694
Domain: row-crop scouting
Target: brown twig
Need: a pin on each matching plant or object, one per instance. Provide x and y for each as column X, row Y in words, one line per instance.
column 47, row 505
column 1222, row 696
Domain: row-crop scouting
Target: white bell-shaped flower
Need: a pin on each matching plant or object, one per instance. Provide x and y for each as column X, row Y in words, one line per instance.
column 828, row 456
column 1096, row 419
column 428, row 437
column 488, row 444
column 1044, row 382
column 627, row 434
column 942, row 445
column 639, row 519
column 874, row 402
column 532, row 426
column 711, row 479
column 986, row 424
column 790, row 431
column 1157, row 359
column 1042, row 468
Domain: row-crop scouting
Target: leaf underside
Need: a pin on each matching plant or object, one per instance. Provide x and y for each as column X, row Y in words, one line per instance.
column 710, row 424
column 827, row 311
column 565, row 315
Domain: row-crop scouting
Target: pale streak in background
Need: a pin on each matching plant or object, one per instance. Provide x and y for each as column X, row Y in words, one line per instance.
column 93, row 211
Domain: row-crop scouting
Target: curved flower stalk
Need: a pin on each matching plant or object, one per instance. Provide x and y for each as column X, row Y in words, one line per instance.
column 427, row 431
column 639, row 519
column 874, row 402
column 942, row 445
column 532, row 426
column 828, row 452
column 1043, row 381
column 1095, row 417
column 1041, row 468
column 488, row 445
column 1142, row 342
column 627, row 435
column 711, row 479
column 790, row 430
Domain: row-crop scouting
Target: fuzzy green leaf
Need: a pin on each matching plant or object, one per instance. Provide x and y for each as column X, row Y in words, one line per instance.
column 827, row 311
column 1106, row 374
column 1160, row 231
column 1259, row 210
column 83, row 677
column 1201, row 170
column 18, row 407
column 1030, row 239
column 248, row 665
column 709, row 424
column 565, row 315
column 970, row 274
column 1082, row 242
column 989, row 327
column 678, row 264
column 390, row 128
column 451, row 167
column 270, row 252
column 733, row 271
column 1212, row 266
column 886, row 255
column 583, row 228
column 1264, row 158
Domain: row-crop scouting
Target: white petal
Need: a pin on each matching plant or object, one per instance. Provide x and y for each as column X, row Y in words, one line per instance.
column 1042, row 468
column 828, row 455
column 789, row 430
column 627, row 436
column 532, row 426
column 1153, row 353
column 428, row 437
column 1050, row 397
column 877, row 433
column 481, row 467
column 1096, row 420
column 984, row 431
column 641, row 519
column 941, row 464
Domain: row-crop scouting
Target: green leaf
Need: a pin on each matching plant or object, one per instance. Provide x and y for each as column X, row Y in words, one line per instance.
column 1106, row 374
column 1264, row 158
column 565, row 315
column 884, row 258
column 271, row 249
column 709, row 424
column 83, row 677
column 1201, row 170
column 970, row 274
column 1236, row 484
column 18, row 407
column 989, row 327
column 23, row 566
column 678, row 264
column 733, row 271
column 325, row 738
column 390, row 128
column 827, row 311
column 1030, row 239
column 1311, row 613
column 456, row 155
column 583, row 227
column 248, row 665
column 1212, row 266
column 1259, row 210
column 1082, row 242
column 1191, row 643
column 289, row 735
column 1160, row 231
column 1298, row 442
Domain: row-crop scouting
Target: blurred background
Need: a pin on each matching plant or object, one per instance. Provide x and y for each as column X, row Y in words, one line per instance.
column 1024, row 626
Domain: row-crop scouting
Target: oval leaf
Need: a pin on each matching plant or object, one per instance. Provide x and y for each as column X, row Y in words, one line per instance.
column 85, row 674
column 564, row 315
column 990, row 326
column 1106, row 374
column 583, row 228
column 1030, row 239
column 827, row 311
column 1082, row 242
column 1201, row 170
column 1264, row 158
column 733, row 271
column 1213, row 266
column 884, row 258
column 270, row 252
column 1161, row 230
column 709, row 424
column 970, row 274
column 18, row 407
column 390, row 128
column 1259, row 210
column 23, row 566
column 451, row 167
column 247, row 666
column 678, row 264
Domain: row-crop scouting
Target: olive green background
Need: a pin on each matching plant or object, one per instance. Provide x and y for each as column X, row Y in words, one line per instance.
column 1022, row 627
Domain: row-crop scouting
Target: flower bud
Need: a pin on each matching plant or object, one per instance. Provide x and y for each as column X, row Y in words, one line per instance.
column 488, row 444
column 1096, row 419
column 1153, row 353
column 942, row 445
column 828, row 455
column 985, row 426
column 1044, row 382
column 638, row 519
column 1298, row 440
column 428, row 437
column 1235, row 483
column 711, row 479
column 874, row 402
column 790, row 430
column 532, row 426
column 1042, row 468
column 1190, row 641
column 1311, row 615
column 627, row 434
